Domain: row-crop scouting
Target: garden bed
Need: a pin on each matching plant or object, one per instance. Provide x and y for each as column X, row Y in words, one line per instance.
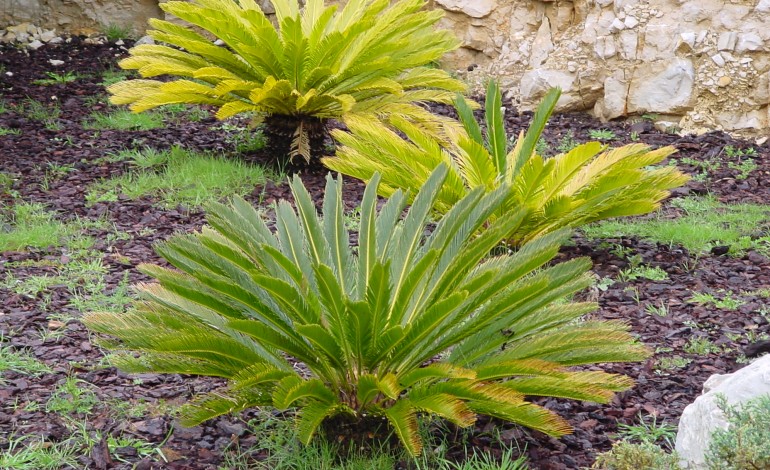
column 696, row 302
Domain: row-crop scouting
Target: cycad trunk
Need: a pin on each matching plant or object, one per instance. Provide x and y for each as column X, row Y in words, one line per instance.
column 291, row 136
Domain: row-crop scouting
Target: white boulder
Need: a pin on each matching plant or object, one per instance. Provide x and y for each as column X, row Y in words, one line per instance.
column 703, row 416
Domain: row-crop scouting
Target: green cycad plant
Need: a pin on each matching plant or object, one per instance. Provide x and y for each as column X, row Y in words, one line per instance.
column 401, row 324
column 368, row 60
column 589, row 183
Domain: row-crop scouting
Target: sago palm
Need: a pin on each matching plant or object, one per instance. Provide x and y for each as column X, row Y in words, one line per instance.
column 401, row 324
column 368, row 59
column 589, row 183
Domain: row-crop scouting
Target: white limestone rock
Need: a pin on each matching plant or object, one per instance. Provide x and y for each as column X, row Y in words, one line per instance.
column 47, row 36
column 605, row 47
column 702, row 417
column 629, row 44
column 472, row 8
column 761, row 93
column 727, row 41
column 665, row 87
column 756, row 119
column 144, row 40
column 536, row 83
column 613, row 104
column 542, row 45
column 749, row 41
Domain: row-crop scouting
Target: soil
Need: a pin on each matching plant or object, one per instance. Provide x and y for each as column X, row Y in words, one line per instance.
column 29, row 156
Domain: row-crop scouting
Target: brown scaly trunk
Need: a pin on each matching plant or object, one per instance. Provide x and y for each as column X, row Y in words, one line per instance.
column 289, row 137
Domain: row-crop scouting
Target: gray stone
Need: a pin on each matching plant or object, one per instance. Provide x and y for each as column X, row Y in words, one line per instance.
column 613, row 104
column 750, row 41
column 702, row 417
column 605, row 47
column 662, row 87
column 46, row 36
column 472, row 8
column 727, row 41
column 542, row 45
column 144, row 40
column 34, row 45
column 631, row 22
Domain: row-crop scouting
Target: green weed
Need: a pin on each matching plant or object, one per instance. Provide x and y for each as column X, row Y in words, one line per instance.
column 701, row 346
column 670, row 363
column 124, row 120
column 567, row 142
column 601, row 134
column 647, row 272
column 114, row 31
column 4, row 131
column 30, row 453
column 56, row 78
column 29, row 225
column 660, row 310
column 187, row 178
column 72, row 397
column 703, row 224
column 726, row 302
column 20, row 362
column 649, row 431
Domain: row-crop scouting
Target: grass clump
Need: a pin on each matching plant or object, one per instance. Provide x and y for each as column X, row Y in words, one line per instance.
column 29, row 225
column 178, row 176
column 745, row 444
column 278, row 448
column 4, row 131
column 114, row 32
column 20, row 362
column 726, row 302
column 72, row 397
column 54, row 78
column 31, row 453
column 124, row 120
column 704, row 223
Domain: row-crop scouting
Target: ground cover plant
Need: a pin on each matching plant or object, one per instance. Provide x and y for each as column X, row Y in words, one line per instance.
column 698, row 318
column 366, row 60
column 588, row 183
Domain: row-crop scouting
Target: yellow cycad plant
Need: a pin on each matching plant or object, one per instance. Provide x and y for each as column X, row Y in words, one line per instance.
column 368, row 59
column 402, row 324
column 589, row 183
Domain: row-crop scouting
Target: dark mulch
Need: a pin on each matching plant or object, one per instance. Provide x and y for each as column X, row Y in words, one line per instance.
column 27, row 157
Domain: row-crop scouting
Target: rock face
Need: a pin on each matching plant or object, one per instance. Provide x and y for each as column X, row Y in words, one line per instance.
column 701, row 63
column 79, row 16
column 703, row 416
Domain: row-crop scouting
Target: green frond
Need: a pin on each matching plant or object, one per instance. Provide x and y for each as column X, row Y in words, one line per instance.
column 525, row 414
column 403, row 418
column 292, row 389
column 445, row 406
column 311, row 416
